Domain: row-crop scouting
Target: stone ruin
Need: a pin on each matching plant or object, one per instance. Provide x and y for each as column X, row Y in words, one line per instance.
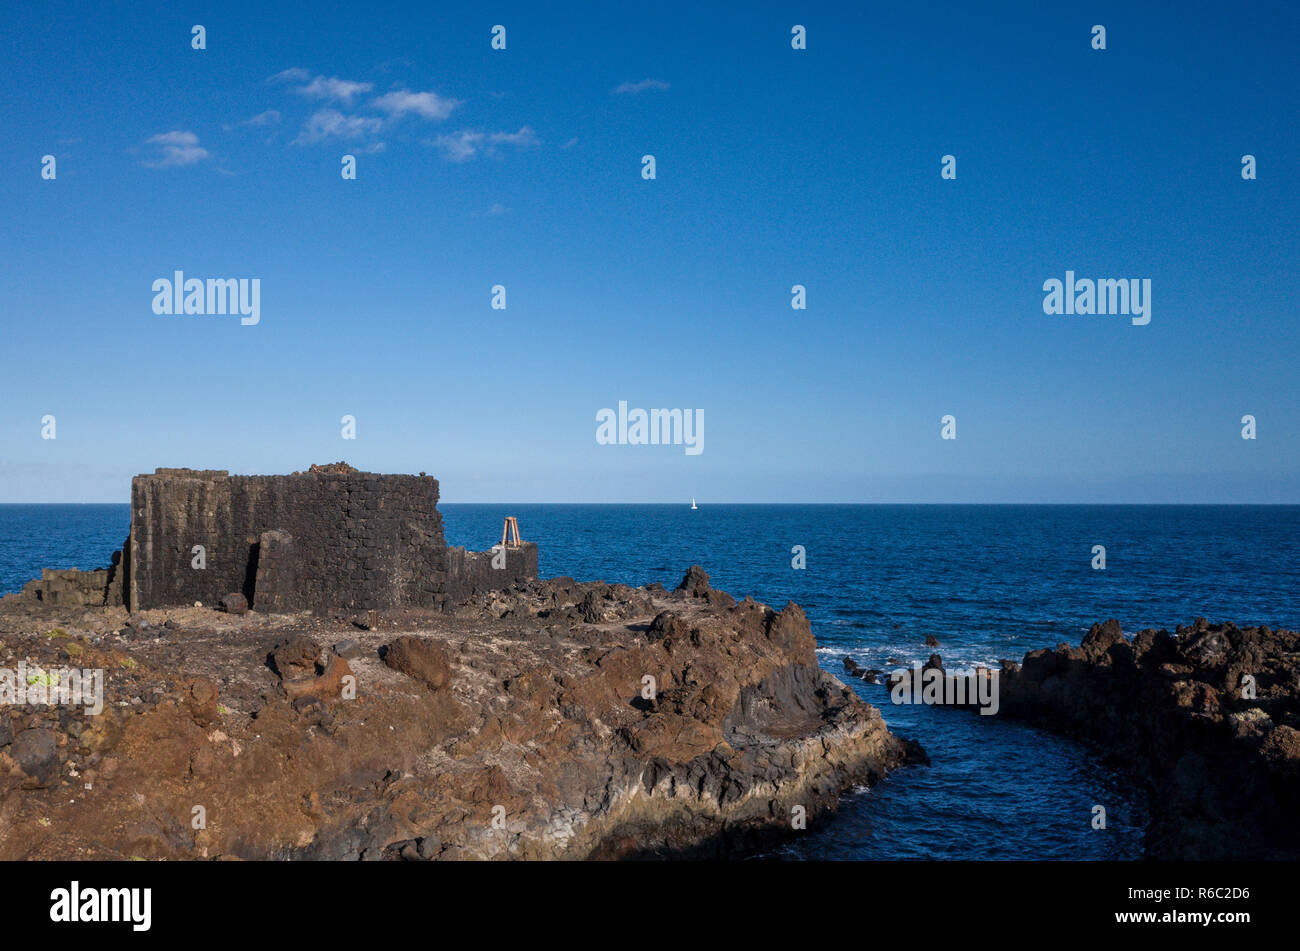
column 331, row 538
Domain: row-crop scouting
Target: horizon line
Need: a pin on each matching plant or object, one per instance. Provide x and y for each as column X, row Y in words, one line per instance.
column 791, row 504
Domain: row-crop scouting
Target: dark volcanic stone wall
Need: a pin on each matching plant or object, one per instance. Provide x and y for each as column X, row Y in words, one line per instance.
column 470, row 571
column 347, row 540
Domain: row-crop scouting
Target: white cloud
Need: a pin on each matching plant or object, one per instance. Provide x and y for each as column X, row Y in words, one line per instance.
column 263, row 119
column 332, row 124
column 333, row 88
column 428, row 105
column 525, row 136
column 322, row 87
column 176, row 149
column 642, row 86
column 465, row 145
column 460, row 147
column 269, row 117
column 497, row 209
column 295, row 74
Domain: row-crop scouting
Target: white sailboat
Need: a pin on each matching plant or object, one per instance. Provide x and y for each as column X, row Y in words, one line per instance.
column 693, row 505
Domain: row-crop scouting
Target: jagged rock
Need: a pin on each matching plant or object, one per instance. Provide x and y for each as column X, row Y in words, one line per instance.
column 695, row 583
column 296, row 658
column 915, row 753
column 931, row 641
column 720, row 599
column 305, row 668
column 1222, row 766
column 668, row 626
column 546, row 718
column 790, row 631
column 590, row 610
column 1101, row 637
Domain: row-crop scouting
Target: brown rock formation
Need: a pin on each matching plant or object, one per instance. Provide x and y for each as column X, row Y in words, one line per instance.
column 568, row 720
column 1206, row 718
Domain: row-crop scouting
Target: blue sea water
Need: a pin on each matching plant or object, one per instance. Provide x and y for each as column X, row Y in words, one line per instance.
column 990, row 582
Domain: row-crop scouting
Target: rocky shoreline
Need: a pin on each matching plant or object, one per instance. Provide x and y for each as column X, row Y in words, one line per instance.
column 553, row 720
column 1207, row 719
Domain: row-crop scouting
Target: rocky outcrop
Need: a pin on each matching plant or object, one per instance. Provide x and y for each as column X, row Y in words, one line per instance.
column 70, row 588
column 1207, row 718
column 554, row 719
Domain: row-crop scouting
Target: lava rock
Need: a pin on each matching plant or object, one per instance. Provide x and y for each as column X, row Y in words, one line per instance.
column 296, row 657
column 668, row 627
column 420, row 659
column 199, row 699
column 36, row 751
column 695, row 583
column 1103, row 636
column 789, row 629
column 233, row 604
column 348, row 648
column 590, row 610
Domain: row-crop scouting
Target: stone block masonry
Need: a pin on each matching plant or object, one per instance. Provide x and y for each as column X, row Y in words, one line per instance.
column 342, row 540
column 470, row 571
column 330, row 539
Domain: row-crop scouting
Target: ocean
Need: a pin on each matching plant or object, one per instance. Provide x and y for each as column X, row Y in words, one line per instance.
column 989, row 582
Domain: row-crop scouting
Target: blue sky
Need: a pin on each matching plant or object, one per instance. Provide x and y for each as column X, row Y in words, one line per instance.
column 775, row 167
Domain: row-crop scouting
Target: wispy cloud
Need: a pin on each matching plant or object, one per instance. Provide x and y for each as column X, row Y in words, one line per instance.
column 329, row 88
column 466, row 144
column 333, row 88
column 340, row 121
column 642, row 86
column 427, row 105
column 295, row 74
column 525, row 136
column 332, row 124
column 176, row 149
column 262, row 119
